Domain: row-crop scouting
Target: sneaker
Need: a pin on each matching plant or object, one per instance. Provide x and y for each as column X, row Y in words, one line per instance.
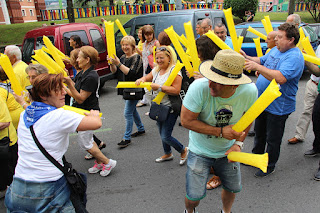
column 317, row 175
column 140, row 104
column 194, row 211
column 137, row 133
column 88, row 156
column 262, row 174
column 108, row 167
column 124, row 143
column 311, row 153
column 96, row 168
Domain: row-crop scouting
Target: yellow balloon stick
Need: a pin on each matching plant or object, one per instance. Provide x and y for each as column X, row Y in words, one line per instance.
column 311, row 59
column 44, row 63
column 192, row 47
column 257, row 160
column 154, row 53
column 110, row 38
column 184, row 39
column 232, row 29
column 217, row 40
column 77, row 110
column 53, row 51
column 128, row 84
column 250, row 29
column 302, row 36
column 46, row 50
column 266, row 98
column 124, row 33
column 240, row 41
column 34, row 62
column 169, row 81
column 258, row 47
column 57, row 69
column 265, row 25
column 307, row 46
column 185, row 60
column 268, row 25
column 7, row 67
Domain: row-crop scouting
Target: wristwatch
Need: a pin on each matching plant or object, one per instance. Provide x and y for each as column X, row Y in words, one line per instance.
column 239, row 143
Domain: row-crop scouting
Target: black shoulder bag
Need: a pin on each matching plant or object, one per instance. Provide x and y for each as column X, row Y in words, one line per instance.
column 77, row 181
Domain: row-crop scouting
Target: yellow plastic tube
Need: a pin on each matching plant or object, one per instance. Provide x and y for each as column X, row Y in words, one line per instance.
column 124, row 33
column 307, row 46
column 44, row 63
column 267, row 97
column 257, row 160
column 56, row 68
column 250, row 29
column 77, row 110
column 232, row 29
column 154, row 53
column 258, row 47
column 185, row 40
column 7, row 67
column 185, row 60
column 311, row 59
column 268, row 24
column 240, row 41
column 169, row 81
column 53, row 51
column 110, row 38
column 192, row 47
column 217, row 40
column 128, row 84
column 34, row 62
column 302, row 36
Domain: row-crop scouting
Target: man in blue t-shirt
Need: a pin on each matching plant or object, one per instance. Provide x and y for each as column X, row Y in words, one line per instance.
column 284, row 63
column 221, row 31
column 210, row 108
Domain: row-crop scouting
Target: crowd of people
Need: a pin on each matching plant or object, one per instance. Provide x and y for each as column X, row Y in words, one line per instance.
column 216, row 98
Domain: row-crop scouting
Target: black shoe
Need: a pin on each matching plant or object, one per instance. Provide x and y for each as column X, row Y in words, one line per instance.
column 317, row 175
column 136, row 134
column 262, row 174
column 124, row 143
column 251, row 133
column 310, row 153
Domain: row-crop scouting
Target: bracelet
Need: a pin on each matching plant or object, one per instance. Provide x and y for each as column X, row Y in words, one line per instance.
column 220, row 136
column 119, row 65
column 160, row 88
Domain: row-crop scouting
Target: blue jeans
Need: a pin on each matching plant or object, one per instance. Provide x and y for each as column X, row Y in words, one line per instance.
column 198, row 169
column 131, row 114
column 269, row 129
column 165, row 130
column 29, row 196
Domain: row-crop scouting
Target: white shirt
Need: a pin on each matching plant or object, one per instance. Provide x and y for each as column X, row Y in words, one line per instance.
column 313, row 77
column 52, row 131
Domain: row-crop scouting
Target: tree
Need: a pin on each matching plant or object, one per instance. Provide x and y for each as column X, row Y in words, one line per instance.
column 70, row 11
column 313, row 8
column 239, row 7
column 291, row 7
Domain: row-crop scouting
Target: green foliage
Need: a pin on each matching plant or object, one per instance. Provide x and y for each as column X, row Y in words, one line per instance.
column 313, row 8
column 239, row 7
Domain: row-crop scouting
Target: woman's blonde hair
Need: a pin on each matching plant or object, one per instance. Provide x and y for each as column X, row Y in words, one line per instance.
column 130, row 40
column 168, row 52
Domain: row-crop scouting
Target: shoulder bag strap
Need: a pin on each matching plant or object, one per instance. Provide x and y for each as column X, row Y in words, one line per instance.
column 45, row 153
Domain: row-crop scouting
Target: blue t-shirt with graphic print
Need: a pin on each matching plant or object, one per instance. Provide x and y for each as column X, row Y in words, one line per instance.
column 290, row 64
column 218, row 112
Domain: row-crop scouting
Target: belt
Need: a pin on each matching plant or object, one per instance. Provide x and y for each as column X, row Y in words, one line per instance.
column 316, row 83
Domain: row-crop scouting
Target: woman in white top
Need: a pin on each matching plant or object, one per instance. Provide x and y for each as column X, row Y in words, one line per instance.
column 38, row 186
column 158, row 76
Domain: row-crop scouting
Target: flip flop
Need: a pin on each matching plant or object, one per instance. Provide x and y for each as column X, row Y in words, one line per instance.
column 213, row 183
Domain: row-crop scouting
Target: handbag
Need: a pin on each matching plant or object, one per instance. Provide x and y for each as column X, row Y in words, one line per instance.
column 133, row 93
column 76, row 181
column 4, row 147
column 159, row 112
column 150, row 60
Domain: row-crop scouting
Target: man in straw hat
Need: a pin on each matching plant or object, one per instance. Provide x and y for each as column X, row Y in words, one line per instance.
column 284, row 64
column 210, row 108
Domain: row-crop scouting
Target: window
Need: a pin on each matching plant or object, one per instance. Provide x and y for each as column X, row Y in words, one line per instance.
column 23, row 12
column 119, row 36
column 97, row 41
column 250, row 36
column 31, row 12
column 66, row 36
column 40, row 43
column 27, row 49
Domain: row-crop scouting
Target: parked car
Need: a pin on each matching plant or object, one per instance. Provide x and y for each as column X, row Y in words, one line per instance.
column 316, row 28
column 59, row 35
column 163, row 20
column 248, row 45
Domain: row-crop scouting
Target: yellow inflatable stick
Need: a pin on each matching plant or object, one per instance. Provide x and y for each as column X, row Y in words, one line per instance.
column 311, row 59
column 57, row 69
column 34, row 62
column 185, row 60
column 302, row 36
column 258, row 47
column 269, row 27
column 232, row 29
column 7, row 67
column 217, row 40
column 77, row 110
column 185, row 40
column 53, row 51
column 111, row 45
column 44, row 63
column 257, row 160
column 154, row 54
column 169, row 81
column 240, row 41
column 266, row 98
column 307, row 46
column 192, row 47
column 128, row 84
column 124, row 33
column 250, row 29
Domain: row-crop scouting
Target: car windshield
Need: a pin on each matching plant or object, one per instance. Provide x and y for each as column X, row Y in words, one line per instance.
column 250, row 36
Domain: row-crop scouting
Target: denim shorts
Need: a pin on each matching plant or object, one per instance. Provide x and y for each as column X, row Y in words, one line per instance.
column 198, row 169
column 28, row 196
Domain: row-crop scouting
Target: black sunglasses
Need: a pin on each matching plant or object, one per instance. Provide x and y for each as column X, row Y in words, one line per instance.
column 163, row 49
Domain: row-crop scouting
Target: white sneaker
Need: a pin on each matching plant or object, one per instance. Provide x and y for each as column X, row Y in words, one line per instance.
column 106, row 168
column 96, row 168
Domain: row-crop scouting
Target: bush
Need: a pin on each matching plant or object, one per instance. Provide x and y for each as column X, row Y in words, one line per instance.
column 239, row 7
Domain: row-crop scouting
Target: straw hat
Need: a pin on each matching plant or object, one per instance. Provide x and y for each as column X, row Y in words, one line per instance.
column 226, row 68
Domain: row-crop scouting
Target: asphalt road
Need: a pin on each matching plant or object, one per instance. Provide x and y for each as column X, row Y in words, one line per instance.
column 139, row 185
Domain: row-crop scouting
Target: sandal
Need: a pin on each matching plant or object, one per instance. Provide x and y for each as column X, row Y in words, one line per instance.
column 213, row 183
column 88, row 156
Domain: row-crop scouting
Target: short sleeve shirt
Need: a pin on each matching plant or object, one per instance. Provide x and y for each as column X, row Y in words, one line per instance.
column 4, row 118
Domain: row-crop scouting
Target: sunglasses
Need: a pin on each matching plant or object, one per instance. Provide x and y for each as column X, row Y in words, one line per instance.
column 163, row 49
